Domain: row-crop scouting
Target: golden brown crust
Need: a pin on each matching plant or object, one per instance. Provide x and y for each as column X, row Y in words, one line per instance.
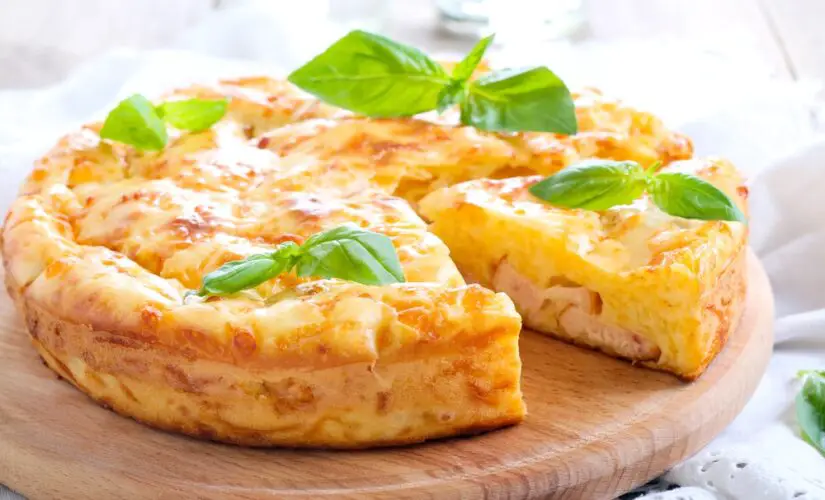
column 351, row 406
column 722, row 307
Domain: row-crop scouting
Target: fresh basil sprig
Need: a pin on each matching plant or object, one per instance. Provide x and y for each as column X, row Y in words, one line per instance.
column 378, row 77
column 601, row 184
column 455, row 91
column 346, row 252
column 136, row 121
column 810, row 409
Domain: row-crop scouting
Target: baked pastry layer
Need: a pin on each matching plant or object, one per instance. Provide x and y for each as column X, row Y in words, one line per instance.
column 630, row 281
column 322, row 390
column 104, row 240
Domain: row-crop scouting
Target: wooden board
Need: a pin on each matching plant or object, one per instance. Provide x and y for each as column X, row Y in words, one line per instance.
column 597, row 427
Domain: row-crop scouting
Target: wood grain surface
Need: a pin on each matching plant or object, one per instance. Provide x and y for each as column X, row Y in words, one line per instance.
column 597, row 427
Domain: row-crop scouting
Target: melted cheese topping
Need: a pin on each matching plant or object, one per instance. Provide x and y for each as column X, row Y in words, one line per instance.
column 416, row 156
column 624, row 238
column 109, row 236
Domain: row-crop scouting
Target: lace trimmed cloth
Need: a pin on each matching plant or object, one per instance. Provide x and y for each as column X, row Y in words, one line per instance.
column 731, row 474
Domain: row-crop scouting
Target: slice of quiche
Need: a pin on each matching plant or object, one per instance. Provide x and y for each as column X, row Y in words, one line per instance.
column 630, row 281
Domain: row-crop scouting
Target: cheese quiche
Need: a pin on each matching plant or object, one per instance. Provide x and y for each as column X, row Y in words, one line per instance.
column 104, row 241
column 631, row 280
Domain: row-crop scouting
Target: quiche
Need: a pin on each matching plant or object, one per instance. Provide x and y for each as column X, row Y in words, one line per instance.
column 104, row 241
column 631, row 280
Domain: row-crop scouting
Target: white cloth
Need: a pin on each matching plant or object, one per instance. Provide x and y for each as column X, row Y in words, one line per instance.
column 762, row 125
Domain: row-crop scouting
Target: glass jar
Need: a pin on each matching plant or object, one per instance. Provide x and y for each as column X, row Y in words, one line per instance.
column 513, row 20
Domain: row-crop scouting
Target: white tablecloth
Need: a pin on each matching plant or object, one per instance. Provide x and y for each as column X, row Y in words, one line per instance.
column 766, row 127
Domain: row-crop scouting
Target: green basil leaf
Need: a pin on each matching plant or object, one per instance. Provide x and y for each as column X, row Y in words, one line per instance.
column 520, row 100
column 453, row 92
column 592, row 185
column 450, row 95
column 346, row 252
column 193, row 114
column 810, row 411
column 351, row 254
column 374, row 76
column 135, row 121
column 250, row 272
column 688, row 196
column 464, row 69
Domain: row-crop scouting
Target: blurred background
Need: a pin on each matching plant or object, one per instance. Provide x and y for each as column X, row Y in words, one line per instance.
column 42, row 40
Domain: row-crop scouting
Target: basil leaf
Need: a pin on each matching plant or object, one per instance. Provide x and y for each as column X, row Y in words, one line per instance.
column 810, row 411
column 688, row 196
column 193, row 114
column 454, row 92
column 600, row 184
column 592, row 185
column 134, row 121
column 374, row 76
column 346, row 252
column 450, row 95
column 464, row 69
column 352, row 254
column 250, row 272
column 520, row 100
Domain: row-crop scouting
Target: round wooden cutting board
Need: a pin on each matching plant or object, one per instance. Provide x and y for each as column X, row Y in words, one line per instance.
column 597, row 427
